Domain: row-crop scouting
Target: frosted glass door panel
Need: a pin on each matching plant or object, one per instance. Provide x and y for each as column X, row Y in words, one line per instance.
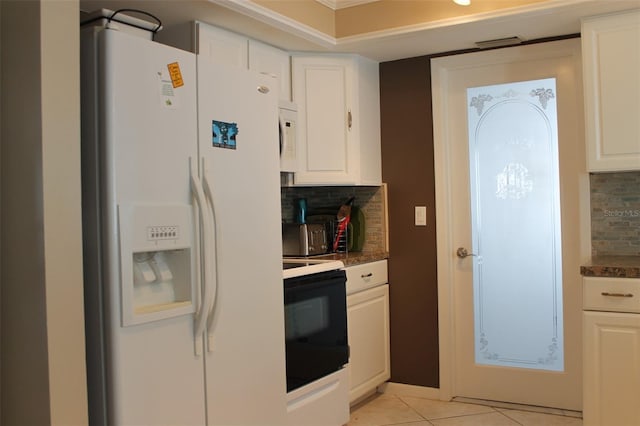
column 515, row 208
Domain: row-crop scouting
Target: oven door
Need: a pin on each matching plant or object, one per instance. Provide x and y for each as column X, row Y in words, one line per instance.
column 315, row 326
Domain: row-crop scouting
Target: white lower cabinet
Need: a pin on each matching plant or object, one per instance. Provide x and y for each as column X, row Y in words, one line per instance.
column 612, row 369
column 368, row 330
column 611, row 352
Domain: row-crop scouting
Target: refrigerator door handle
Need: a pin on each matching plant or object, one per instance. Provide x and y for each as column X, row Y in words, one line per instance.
column 211, row 256
column 204, row 295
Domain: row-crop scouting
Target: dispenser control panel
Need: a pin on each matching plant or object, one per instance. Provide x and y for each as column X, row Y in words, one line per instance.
column 155, row 233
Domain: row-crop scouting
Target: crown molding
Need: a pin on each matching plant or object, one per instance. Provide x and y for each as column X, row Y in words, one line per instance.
column 535, row 9
column 268, row 16
column 556, row 17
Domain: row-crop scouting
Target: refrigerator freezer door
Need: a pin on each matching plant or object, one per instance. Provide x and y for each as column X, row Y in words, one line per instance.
column 145, row 131
column 238, row 138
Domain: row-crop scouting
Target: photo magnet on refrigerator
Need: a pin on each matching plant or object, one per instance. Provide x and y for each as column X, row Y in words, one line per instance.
column 224, row 134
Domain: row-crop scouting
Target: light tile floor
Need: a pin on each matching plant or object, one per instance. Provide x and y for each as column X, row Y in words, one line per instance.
column 389, row 409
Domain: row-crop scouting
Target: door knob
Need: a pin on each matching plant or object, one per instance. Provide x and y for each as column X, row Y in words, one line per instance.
column 462, row 253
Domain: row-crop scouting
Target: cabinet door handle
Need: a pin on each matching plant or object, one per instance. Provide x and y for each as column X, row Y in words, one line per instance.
column 369, row 275
column 349, row 119
column 606, row 293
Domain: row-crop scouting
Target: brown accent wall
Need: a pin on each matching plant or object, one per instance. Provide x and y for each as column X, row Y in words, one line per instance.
column 407, row 168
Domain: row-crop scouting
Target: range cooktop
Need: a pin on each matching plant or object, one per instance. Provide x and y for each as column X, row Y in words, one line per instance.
column 295, row 267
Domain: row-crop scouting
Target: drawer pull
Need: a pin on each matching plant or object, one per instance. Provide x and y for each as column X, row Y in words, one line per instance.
column 369, row 275
column 606, row 293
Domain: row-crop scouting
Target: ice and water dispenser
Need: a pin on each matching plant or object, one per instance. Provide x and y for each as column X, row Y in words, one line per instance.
column 157, row 257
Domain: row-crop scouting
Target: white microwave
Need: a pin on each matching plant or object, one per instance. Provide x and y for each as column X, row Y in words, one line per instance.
column 287, row 125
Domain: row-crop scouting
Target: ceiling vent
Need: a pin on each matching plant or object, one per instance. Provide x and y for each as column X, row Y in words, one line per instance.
column 499, row 42
column 343, row 4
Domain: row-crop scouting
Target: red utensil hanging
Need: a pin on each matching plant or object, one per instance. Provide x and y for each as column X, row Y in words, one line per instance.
column 342, row 227
column 344, row 217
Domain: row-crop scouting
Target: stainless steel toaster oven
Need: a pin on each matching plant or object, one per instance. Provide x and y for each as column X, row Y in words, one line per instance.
column 304, row 239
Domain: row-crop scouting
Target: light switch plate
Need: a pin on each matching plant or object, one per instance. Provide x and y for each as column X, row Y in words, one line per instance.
column 421, row 215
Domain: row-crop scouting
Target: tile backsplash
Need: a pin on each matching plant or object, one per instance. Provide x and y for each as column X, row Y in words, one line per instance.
column 615, row 213
column 327, row 200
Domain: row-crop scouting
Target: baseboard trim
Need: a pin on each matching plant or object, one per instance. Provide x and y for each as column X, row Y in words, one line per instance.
column 410, row 390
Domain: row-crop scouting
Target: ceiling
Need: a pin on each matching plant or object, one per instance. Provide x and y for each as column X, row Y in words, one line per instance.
column 532, row 21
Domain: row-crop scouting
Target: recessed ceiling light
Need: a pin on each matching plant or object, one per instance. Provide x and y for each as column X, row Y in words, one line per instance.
column 462, row 2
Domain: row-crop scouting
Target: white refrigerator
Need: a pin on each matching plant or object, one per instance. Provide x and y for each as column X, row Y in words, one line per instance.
column 182, row 244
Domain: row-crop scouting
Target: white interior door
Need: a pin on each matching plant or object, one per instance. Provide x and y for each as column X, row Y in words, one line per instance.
column 510, row 183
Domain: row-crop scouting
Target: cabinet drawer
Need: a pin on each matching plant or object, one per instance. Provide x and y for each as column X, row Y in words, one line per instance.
column 611, row 294
column 366, row 275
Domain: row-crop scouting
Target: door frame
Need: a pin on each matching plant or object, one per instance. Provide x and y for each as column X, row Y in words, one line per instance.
column 443, row 171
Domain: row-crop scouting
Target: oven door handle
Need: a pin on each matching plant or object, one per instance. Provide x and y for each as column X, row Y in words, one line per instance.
column 211, row 256
column 204, row 294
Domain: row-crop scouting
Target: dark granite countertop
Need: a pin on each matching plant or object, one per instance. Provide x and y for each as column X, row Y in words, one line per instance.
column 612, row 266
column 357, row 257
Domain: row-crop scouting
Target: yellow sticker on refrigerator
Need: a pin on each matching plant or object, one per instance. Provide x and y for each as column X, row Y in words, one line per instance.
column 176, row 75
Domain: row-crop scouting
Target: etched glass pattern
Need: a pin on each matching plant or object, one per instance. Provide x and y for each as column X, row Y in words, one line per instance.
column 515, row 208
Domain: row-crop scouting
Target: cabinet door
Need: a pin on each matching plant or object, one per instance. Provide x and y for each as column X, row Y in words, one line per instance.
column 222, row 46
column 611, row 57
column 368, row 331
column 275, row 62
column 611, row 369
column 322, row 89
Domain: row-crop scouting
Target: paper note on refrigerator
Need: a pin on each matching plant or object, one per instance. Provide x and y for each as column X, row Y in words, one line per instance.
column 166, row 90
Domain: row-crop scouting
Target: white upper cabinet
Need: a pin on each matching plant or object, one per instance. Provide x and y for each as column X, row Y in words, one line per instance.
column 270, row 60
column 338, row 120
column 611, row 58
column 222, row 46
column 236, row 50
